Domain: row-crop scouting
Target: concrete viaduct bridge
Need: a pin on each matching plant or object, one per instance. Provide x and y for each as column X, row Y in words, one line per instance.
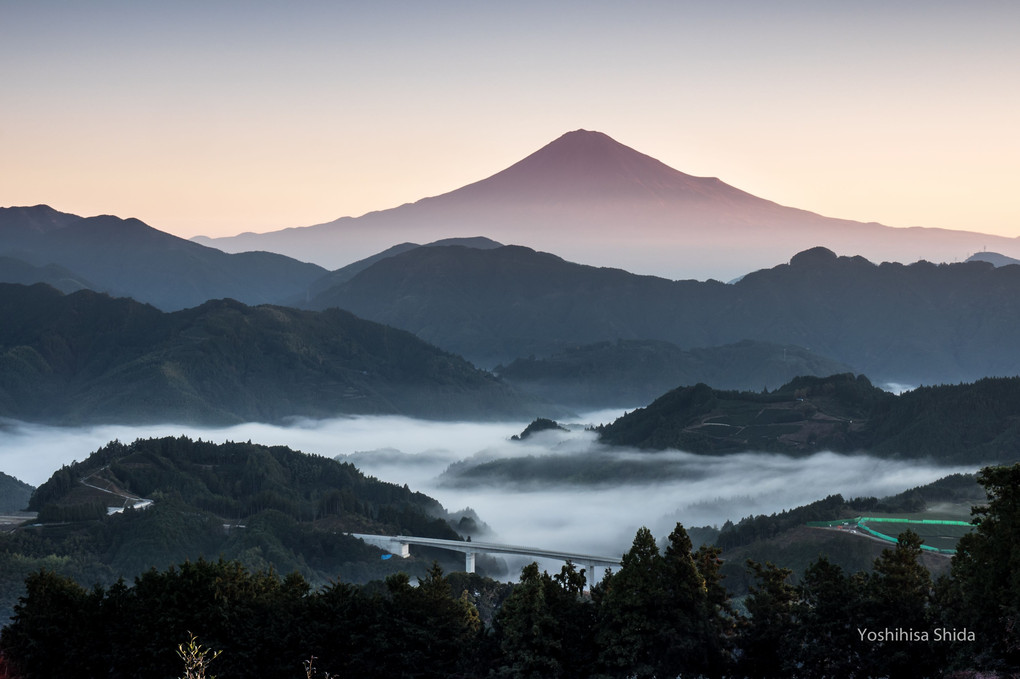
column 401, row 544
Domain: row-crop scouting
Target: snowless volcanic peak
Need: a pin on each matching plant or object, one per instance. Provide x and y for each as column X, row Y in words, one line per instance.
column 590, row 199
column 593, row 167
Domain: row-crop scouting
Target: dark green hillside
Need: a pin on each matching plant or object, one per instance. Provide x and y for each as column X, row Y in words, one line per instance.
column 268, row 507
column 667, row 611
column 86, row 357
column 14, row 494
column 497, row 304
column 911, row 324
column 804, row 416
column 237, row 481
column 346, row 273
column 982, row 419
column 949, row 497
column 537, row 425
column 785, row 539
column 637, row 371
column 973, row 423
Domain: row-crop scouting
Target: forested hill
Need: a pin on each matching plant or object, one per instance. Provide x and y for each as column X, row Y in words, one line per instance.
column 966, row 423
column 86, row 357
column 911, row 324
column 14, row 494
column 266, row 506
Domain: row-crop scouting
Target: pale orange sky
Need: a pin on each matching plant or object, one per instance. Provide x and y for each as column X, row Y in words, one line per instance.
column 218, row 118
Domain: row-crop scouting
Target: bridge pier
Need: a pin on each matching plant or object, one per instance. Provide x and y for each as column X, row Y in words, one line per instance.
column 469, row 562
column 405, row 550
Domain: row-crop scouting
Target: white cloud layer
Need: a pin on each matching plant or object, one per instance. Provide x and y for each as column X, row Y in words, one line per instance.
column 596, row 519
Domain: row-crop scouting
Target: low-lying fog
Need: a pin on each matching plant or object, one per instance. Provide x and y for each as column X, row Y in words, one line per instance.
column 558, row 490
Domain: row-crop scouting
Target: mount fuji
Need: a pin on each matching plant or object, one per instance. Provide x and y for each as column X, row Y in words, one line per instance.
column 596, row 201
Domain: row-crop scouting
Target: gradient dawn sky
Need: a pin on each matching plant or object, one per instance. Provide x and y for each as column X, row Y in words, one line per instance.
column 204, row 117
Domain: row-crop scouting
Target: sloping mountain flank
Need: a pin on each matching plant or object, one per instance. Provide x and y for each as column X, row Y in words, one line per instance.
column 266, row 506
column 348, row 272
column 600, row 202
column 976, row 423
column 502, row 303
column 913, row 324
column 993, row 258
column 632, row 372
column 14, row 494
column 126, row 257
column 14, row 270
column 86, row 357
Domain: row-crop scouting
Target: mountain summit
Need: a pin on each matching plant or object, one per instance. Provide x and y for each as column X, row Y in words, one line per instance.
column 592, row 166
column 126, row 257
column 591, row 199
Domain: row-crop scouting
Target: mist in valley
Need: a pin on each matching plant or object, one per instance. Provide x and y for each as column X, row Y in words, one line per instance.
column 556, row 489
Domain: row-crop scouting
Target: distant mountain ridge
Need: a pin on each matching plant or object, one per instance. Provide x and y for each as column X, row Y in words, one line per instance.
column 126, row 257
column 597, row 201
column 348, row 272
column 14, row 270
column 911, row 324
column 631, row 372
column 86, row 357
column 993, row 258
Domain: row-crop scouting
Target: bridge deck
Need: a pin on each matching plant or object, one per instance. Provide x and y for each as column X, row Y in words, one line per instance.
column 485, row 547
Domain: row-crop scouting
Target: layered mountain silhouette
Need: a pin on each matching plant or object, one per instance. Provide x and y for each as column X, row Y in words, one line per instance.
column 993, row 258
column 13, row 270
column 915, row 324
column 126, row 257
column 346, row 273
column 633, row 372
column 597, row 201
column 87, row 357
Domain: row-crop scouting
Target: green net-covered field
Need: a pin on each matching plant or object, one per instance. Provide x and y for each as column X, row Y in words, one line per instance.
column 937, row 534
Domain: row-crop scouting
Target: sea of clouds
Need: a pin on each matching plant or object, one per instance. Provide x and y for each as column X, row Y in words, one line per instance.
column 594, row 518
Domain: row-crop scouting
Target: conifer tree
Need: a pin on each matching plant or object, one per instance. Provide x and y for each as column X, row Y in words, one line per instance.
column 719, row 619
column 984, row 594
column 529, row 629
column 899, row 593
column 830, row 610
column 767, row 640
column 630, row 610
column 686, row 626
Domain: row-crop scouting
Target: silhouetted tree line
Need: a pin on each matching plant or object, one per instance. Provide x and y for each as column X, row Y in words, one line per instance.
column 664, row 613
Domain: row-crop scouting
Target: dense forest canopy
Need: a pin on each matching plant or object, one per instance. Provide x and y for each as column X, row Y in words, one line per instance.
column 266, row 507
column 972, row 423
column 919, row 323
column 663, row 613
column 87, row 357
